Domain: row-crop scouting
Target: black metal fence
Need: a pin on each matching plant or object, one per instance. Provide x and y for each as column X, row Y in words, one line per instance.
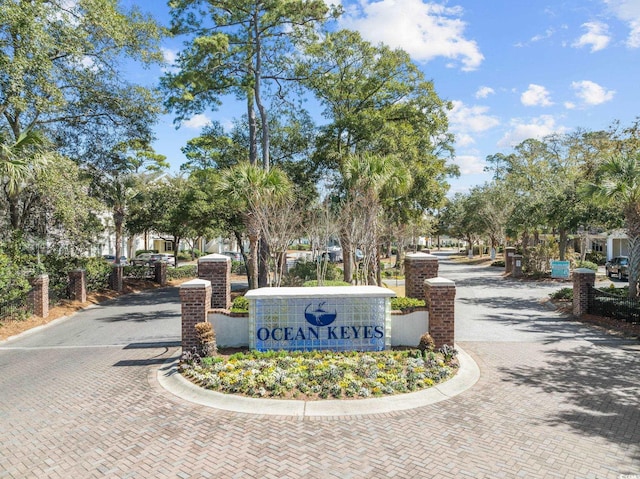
column 614, row 306
column 17, row 309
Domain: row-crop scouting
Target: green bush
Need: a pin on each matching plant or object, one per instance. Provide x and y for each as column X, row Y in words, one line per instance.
column 564, row 294
column 301, row 247
column 586, row 264
column 139, row 272
column 13, row 283
column 240, row 305
column 499, row 263
column 238, row 267
column 181, row 272
column 307, row 270
column 406, row 304
column 314, row 282
column 597, row 258
column 140, row 251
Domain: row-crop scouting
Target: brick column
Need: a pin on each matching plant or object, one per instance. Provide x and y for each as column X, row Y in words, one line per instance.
column 216, row 268
column 516, row 267
column 440, row 295
column 39, row 295
column 78, row 285
column 583, row 280
column 116, row 277
column 195, row 297
column 508, row 259
column 417, row 268
column 160, row 273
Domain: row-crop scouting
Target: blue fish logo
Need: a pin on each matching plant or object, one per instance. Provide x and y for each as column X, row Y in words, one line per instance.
column 319, row 316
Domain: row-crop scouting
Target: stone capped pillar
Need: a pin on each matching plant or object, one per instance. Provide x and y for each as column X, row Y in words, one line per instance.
column 160, row 273
column 195, row 298
column 78, row 285
column 116, row 278
column 39, row 295
column 508, row 259
column 516, row 268
column 417, row 268
column 216, row 268
column 583, row 280
column 440, row 295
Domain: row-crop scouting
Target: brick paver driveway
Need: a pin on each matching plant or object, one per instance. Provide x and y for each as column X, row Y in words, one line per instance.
column 555, row 399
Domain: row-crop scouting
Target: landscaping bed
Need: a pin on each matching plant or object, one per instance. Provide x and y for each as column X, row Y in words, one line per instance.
column 315, row 375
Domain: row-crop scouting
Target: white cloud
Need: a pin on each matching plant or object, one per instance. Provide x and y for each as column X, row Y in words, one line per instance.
column 536, row 128
column 425, row 30
column 464, row 139
column 591, row 93
column 197, row 121
column 471, row 118
column 169, row 55
column 597, row 36
column 484, row 92
column 536, row 95
column 469, row 164
column 628, row 11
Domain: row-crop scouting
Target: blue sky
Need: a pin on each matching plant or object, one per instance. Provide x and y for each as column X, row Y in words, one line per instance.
column 514, row 69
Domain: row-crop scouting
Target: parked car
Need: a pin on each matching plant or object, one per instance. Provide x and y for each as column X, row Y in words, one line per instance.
column 143, row 259
column 618, row 266
column 167, row 258
column 234, row 255
column 110, row 258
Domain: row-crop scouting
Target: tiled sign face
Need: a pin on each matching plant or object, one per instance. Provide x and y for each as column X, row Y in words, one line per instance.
column 332, row 322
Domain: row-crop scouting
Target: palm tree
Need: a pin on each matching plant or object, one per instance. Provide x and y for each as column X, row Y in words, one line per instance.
column 370, row 181
column 249, row 186
column 618, row 182
column 20, row 159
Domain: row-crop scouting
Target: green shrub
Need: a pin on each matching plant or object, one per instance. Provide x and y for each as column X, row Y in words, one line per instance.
column 597, row 258
column 138, row 272
column 406, row 304
column 140, row 251
column 499, row 263
column 240, row 305
column 181, row 272
column 564, row 294
column 314, row 282
column 307, row 270
column 238, row 267
column 586, row 264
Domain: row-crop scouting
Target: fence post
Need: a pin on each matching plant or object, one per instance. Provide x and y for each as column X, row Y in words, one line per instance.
column 195, row 298
column 160, row 273
column 39, row 295
column 78, row 285
column 216, row 268
column 509, row 252
column 516, row 267
column 440, row 298
column 583, row 281
column 417, row 268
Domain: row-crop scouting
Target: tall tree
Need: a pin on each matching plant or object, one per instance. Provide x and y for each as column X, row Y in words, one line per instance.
column 240, row 47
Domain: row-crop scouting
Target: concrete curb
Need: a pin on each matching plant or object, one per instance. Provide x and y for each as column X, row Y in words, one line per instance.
column 173, row 382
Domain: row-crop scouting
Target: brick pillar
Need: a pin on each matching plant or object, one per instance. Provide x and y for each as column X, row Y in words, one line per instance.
column 217, row 269
column 508, row 259
column 583, row 280
column 116, row 277
column 440, row 295
column 78, row 285
column 417, row 268
column 39, row 295
column 160, row 273
column 195, row 297
column 516, row 267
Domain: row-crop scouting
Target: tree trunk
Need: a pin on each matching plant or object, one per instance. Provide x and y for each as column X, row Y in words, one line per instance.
column 253, row 261
column 562, row 246
column 346, row 258
column 263, row 265
column 118, row 221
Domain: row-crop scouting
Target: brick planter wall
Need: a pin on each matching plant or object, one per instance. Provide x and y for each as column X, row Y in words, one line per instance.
column 78, row 285
column 583, row 279
column 440, row 295
column 417, row 268
column 39, row 295
column 195, row 298
column 216, row 268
